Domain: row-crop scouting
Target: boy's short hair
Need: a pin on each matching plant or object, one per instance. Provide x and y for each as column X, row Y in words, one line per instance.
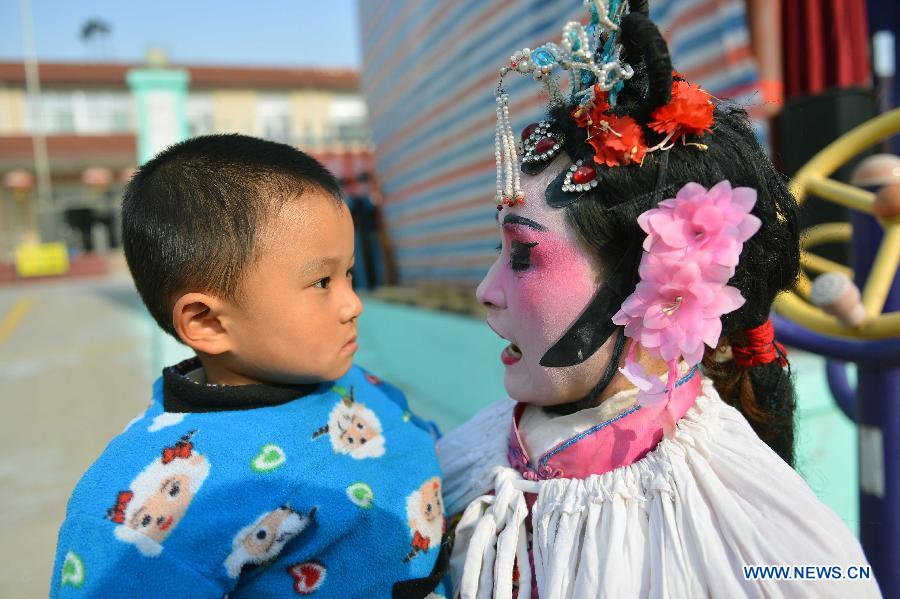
column 191, row 216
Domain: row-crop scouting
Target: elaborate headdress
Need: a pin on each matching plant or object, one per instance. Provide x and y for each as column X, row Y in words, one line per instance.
column 625, row 104
column 595, row 57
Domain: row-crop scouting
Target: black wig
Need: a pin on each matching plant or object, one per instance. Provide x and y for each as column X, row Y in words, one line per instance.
column 605, row 218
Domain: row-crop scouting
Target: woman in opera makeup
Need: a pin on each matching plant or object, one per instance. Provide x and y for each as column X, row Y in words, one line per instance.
column 646, row 447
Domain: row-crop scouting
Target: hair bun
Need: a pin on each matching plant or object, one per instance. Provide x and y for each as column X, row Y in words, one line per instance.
column 644, row 43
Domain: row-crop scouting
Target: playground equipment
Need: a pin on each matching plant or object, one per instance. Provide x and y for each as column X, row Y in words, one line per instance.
column 833, row 318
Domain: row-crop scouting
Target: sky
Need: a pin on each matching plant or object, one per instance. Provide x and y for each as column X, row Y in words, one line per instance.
column 321, row 33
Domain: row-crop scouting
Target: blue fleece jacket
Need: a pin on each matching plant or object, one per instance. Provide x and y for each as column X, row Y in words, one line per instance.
column 334, row 494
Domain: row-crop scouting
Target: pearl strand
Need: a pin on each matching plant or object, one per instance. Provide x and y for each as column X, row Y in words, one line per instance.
column 507, row 156
column 516, row 195
column 498, row 135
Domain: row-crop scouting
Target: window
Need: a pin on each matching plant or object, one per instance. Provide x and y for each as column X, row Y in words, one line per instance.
column 82, row 111
column 103, row 112
column 57, row 112
column 347, row 116
column 273, row 117
column 199, row 110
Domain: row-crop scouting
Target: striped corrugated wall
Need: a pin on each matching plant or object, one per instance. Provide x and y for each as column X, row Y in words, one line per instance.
column 429, row 73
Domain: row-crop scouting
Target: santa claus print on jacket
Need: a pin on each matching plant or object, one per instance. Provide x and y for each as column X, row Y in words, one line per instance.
column 353, row 428
column 262, row 541
column 425, row 512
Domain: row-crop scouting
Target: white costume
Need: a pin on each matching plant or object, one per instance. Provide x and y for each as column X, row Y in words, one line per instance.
column 681, row 521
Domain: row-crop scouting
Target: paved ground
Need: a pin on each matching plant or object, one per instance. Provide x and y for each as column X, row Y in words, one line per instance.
column 77, row 359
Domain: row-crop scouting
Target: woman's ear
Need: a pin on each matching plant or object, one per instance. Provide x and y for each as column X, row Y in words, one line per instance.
column 197, row 319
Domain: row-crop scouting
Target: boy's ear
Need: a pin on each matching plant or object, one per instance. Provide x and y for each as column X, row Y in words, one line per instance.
column 197, row 318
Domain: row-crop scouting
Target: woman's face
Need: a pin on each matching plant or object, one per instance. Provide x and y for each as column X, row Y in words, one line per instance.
column 543, row 279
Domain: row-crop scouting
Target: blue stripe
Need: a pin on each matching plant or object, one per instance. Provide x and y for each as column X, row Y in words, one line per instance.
column 705, row 36
column 492, row 50
column 432, row 273
column 441, row 223
column 442, row 249
column 388, row 49
column 474, row 183
column 565, row 445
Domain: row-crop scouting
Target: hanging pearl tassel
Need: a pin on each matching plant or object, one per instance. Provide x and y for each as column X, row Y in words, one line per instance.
column 498, row 141
column 509, row 189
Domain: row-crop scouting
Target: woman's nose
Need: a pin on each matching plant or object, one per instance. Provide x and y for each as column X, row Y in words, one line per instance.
column 489, row 292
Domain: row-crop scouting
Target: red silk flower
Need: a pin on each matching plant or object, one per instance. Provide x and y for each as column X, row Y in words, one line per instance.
column 616, row 140
column 618, row 143
column 689, row 112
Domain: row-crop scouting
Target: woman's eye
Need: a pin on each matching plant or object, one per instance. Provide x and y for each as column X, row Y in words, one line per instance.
column 520, row 255
column 322, row 283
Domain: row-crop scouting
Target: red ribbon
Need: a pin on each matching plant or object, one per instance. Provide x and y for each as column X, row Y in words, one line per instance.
column 117, row 512
column 420, row 542
column 760, row 348
column 182, row 449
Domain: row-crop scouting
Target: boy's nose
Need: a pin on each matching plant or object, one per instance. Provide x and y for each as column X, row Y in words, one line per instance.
column 489, row 292
column 353, row 308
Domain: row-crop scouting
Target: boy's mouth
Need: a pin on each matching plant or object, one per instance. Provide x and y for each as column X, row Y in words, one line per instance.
column 350, row 347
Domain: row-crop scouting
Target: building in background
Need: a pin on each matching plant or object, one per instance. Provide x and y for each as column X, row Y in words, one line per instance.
column 89, row 118
column 433, row 112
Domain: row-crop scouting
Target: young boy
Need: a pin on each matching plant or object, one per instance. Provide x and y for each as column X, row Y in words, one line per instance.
column 268, row 465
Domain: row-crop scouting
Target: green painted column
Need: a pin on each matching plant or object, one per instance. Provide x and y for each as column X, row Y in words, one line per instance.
column 160, row 97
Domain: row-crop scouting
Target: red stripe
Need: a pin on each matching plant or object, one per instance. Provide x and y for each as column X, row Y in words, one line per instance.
column 439, row 261
column 401, row 91
column 389, row 36
column 482, row 164
column 723, row 62
column 457, row 235
column 416, row 37
column 400, row 134
column 403, row 193
column 439, row 209
column 695, row 13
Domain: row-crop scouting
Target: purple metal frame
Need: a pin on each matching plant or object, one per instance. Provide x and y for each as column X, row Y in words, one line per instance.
column 874, row 405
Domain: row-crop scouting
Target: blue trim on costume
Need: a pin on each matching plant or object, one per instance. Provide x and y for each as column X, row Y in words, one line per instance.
column 566, row 444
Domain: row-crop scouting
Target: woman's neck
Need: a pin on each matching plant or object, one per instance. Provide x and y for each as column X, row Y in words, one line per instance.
column 617, row 384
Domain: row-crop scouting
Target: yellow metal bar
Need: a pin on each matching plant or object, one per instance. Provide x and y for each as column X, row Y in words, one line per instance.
column 845, row 147
column 826, row 233
column 881, row 277
column 795, row 309
column 841, row 193
column 819, row 264
column 14, row 317
column 803, row 286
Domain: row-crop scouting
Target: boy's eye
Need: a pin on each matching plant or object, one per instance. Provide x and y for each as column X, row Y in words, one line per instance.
column 350, row 274
column 520, row 255
column 322, row 283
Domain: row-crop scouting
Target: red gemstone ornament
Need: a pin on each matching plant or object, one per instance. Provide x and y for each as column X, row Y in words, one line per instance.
column 544, row 145
column 584, row 174
column 527, row 131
